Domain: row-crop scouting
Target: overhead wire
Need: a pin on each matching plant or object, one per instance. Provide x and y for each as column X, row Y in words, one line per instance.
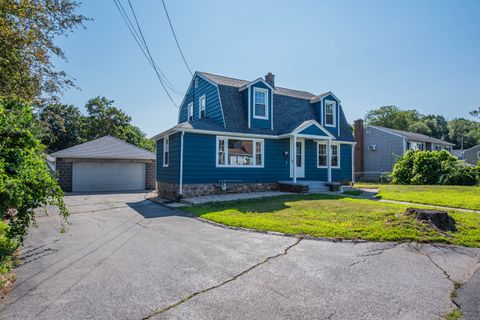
column 139, row 39
column 176, row 39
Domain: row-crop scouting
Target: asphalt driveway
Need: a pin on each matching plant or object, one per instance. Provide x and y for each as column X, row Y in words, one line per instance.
column 124, row 257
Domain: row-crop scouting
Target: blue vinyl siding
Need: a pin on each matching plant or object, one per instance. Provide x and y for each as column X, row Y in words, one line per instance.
column 313, row 130
column 344, row 173
column 200, row 155
column 260, row 123
column 213, row 106
column 172, row 172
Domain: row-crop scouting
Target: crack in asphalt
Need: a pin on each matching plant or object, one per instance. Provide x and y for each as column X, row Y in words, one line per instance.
column 374, row 252
column 176, row 304
column 418, row 248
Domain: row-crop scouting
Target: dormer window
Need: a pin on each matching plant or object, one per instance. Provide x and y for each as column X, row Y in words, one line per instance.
column 330, row 113
column 260, row 97
column 202, row 102
column 190, row 111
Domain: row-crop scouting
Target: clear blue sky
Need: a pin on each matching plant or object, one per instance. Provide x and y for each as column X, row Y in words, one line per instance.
column 414, row 54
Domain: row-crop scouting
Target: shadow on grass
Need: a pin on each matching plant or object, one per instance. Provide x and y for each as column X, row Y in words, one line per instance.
column 259, row 205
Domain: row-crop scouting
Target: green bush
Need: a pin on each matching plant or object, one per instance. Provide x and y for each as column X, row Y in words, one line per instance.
column 7, row 248
column 434, row 167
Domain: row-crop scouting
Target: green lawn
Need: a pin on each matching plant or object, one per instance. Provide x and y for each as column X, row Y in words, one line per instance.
column 337, row 217
column 449, row 196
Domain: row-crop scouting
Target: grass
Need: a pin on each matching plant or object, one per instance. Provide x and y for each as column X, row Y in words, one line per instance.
column 455, row 314
column 465, row 197
column 338, row 217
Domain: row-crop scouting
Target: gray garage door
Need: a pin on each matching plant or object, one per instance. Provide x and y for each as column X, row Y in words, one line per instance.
column 108, row 176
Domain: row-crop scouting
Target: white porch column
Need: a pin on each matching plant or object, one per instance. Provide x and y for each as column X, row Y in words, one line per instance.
column 329, row 160
column 294, row 159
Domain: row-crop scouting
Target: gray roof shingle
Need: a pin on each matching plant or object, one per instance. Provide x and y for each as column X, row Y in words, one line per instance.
column 238, row 83
column 107, row 147
column 416, row 136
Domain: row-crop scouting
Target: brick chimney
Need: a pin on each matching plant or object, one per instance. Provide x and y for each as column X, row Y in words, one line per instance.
column 358, row 133
column 270, row 79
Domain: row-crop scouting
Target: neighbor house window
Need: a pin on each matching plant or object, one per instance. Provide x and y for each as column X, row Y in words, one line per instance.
column 322, row 156
column 478, row 154
column 413, row 145
column 260, row 97
column 190, row 111
column 202, row 102
column 166, row 151
column 239, row 152
column 330, row 113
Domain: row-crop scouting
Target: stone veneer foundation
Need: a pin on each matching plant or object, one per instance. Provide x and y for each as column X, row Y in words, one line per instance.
column 170, row 191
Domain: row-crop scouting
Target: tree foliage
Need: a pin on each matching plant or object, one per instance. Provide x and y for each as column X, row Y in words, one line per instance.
column 464, row 133
column 433, row 167
column 28, row 29
column 65, row 126
column 25, row 181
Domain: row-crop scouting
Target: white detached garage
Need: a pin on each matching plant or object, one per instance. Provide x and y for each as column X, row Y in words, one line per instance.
column 105, row 164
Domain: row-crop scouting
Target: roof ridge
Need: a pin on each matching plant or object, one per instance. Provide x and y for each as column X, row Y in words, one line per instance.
column 409, row 132
column 107, row 136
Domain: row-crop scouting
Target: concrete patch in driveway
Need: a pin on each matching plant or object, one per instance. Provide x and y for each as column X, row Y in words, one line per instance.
column 127, row 258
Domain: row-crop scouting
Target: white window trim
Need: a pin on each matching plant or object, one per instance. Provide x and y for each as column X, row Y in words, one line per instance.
column 424, row 146
column 166, row 148
column 225, row 154
column 196, row 82
column 204, row 97
column 326, row 146
column 333, row 125
column 267, row 98
column 190, row 111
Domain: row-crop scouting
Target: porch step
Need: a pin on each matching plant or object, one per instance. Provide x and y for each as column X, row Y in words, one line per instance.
column 318, row 189
column 306, row 186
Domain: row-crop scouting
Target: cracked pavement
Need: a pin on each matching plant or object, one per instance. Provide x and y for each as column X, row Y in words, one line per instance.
column 127, row 258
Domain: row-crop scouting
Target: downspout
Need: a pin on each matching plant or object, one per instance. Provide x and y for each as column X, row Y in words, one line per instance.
column 180, row 186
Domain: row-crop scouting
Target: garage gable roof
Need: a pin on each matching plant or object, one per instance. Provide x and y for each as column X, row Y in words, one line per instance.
column 107, row 147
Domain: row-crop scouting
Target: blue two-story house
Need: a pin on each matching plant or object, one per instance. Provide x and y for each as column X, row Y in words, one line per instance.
column 236, row 135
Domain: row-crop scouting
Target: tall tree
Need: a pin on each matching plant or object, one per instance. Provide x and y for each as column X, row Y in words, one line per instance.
column 106, row 119
column 392, row 117
column 28, row 29
column 464, row 132
column 476, row 113
column 63, row 126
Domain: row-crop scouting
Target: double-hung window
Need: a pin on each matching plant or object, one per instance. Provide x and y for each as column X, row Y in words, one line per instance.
column 190, row 111
column 260, row 102
column 322, row 156
column 166, row 151
column 330, row 113
column 239, row 152
column 202, row 105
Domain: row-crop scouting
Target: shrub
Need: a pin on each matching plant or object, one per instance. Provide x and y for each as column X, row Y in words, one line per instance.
column 25, row 181
column 433, row 167
column 7, row 247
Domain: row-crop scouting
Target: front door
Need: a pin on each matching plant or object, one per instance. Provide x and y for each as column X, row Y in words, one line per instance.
column 299, row 161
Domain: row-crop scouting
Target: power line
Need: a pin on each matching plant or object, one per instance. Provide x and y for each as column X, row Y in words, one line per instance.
column 148, row 51
column 175, row 37
column 144, row 48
